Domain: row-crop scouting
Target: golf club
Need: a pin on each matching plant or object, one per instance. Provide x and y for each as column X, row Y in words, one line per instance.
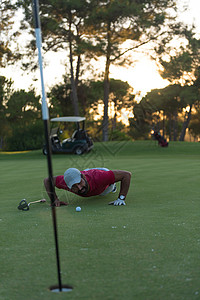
column 23, row 205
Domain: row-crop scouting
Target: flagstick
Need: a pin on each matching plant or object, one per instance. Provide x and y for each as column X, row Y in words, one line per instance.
column 45, row 117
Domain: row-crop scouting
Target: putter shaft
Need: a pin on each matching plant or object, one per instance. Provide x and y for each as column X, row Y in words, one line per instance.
column 37, row 201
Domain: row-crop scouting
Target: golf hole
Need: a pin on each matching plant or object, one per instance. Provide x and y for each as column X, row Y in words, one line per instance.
column 64, row 288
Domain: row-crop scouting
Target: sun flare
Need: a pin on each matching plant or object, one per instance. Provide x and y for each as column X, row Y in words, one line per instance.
column 143, row 77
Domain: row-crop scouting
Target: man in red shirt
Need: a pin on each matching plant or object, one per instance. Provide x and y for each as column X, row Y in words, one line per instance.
column 91, row 182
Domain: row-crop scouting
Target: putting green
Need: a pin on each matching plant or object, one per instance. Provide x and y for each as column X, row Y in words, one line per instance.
column 148, row 249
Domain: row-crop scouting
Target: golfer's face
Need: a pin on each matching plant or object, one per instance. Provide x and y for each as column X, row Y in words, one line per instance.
column 80, row 188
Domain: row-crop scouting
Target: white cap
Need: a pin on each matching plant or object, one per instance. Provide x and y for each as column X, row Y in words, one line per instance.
column 72, row 176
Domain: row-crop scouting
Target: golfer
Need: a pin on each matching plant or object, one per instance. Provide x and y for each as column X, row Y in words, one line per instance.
column 91, row 182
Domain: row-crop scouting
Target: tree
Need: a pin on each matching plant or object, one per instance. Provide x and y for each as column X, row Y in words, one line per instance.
column 159, row 110
column 90, row 95
column 5, row 92
column 23, row 119
column 171, row 105
column 62, row 29
column 59, row 97
column 99, row 28
column 190, row 95
column 194, row 127
column 139, row 22
column 20, row 118
column 182, row 70
column 23, row 108
column 6, row 14
column 121, row 96
column 183, row 67
column 143, row 120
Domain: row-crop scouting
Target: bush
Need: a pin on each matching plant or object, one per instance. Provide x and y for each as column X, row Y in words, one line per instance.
column 118, row 135
column 29, row 138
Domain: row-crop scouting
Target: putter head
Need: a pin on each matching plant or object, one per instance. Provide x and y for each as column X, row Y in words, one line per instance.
column 23, row 205
column 43, row 200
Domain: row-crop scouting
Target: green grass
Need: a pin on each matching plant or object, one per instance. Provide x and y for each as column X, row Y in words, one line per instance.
column 146, row 250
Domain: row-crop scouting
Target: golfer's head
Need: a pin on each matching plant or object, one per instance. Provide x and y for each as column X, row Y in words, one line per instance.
column 75, row 181
column 72, row 176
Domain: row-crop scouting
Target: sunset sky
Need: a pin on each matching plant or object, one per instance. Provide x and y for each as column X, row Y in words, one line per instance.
column 142, row 76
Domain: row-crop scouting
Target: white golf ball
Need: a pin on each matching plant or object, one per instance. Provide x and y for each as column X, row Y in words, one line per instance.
column 78, row 208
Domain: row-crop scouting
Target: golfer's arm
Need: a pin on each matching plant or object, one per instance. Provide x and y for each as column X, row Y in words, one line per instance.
column 125, row 178
column 48, row 189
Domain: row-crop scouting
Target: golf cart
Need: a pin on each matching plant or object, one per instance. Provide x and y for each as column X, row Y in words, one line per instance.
column 78, row 144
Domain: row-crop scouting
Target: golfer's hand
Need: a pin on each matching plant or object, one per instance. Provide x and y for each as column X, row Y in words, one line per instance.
column 119, row 202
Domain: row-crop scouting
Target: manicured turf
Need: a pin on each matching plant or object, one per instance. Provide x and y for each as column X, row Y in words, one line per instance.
column 146, row 250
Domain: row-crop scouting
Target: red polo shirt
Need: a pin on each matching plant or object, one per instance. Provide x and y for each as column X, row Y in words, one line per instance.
column 98, row 181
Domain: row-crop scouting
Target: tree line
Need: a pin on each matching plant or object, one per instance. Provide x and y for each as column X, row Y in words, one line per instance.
column 165, row 110
column 170, row 111
column 21, row 125
column 89, row 30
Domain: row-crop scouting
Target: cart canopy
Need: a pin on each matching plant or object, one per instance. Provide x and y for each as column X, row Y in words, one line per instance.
column 68, row 119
